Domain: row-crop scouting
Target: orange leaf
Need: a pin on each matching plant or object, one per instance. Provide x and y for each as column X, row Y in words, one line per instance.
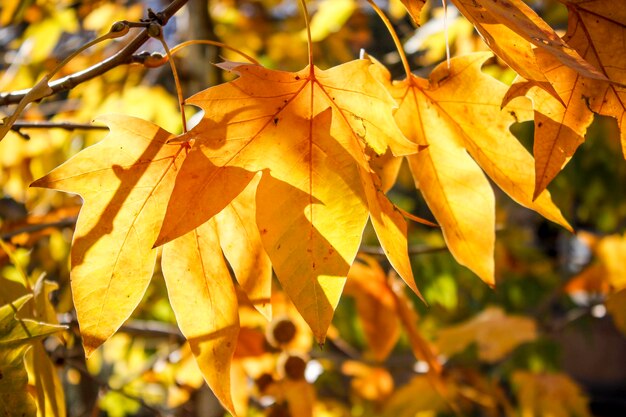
column 459, row 135
column 596, row 30
column 414, row 7
column 125, row 181
column 204, row 301
column 308, row 132
column 513, row 31
column 559, row 129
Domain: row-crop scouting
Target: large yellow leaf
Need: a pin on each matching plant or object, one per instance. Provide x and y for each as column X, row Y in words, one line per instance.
column 460, row 131
column 125, row 181
column 204, row 301
column 310, row 254
column 308, row 132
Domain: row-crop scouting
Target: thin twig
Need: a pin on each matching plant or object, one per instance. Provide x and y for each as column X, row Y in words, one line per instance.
column 82, row 369
column 413, row 250
column 31, row 228
column 120, row 58
column 23, row 124
column 144, row 328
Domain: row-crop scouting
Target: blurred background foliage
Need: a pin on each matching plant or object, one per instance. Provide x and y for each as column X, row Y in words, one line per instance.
column 547, row 341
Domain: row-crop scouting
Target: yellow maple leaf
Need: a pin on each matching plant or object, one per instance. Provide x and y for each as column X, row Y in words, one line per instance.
column 308, row 133
column 460, row 131
column 125, row 181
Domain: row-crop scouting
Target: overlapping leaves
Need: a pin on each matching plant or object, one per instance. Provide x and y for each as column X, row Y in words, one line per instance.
column 307, row 136
column 277, row 174
column 460, row 131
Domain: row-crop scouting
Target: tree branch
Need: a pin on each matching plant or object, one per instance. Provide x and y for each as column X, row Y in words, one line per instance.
column 413, row 250
column 32, row 228
column 120, row 58
column 43, row 124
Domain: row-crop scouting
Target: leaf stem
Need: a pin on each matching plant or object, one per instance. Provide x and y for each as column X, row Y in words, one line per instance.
column 394, row 35
column 179, row 89
column 445, row 30
column 182, row 45
column 307, row 23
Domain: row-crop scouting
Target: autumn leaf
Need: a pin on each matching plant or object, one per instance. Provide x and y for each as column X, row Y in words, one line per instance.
column 16, row 336
column 47, row 384
column 414, row 7
column 204, row 301
column 375, row 304
column 515, row 33
column 419, row 397
column 462, row 133
column 372, row 383
column 559, row 130
column 596, row 30
column 543, row 395
column 307, row 132
column 608, row 273
column 16, row 332
column 125, row 181
column 495, row 333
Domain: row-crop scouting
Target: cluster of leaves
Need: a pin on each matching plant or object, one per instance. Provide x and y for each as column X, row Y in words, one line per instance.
column 281, row 173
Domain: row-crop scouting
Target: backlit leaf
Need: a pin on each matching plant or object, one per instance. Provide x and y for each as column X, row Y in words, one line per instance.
column 16, row 332
column 15, row 337
column 414, row 7
column 596, row 30
column 307, row 132
column 514, row 32
column 48, row 386
column 203, row 298
column 125, row 181
column 460, row 131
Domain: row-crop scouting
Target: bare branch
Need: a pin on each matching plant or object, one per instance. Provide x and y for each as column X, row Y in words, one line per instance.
column 121, row 58
column 32, row 228
column 413, row 250
column 24, row 124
